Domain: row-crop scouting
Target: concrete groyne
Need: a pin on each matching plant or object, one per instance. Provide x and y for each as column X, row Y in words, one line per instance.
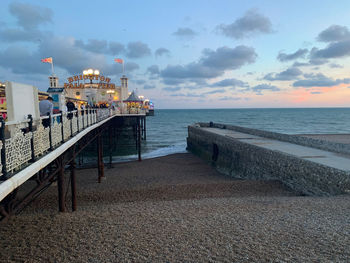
column 306, row 165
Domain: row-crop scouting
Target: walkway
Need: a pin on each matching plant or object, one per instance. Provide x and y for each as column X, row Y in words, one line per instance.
column 330, row 159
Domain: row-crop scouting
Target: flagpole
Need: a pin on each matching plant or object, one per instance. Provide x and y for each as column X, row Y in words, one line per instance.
column 53, row 72
column 123, row 67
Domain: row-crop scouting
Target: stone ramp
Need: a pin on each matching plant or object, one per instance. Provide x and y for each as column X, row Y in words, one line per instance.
column 250, row 155
column 334, row 160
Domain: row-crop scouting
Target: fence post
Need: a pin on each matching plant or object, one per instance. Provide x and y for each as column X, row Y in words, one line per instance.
column 30, row 126
column 78, row 121
column 62, row 128
column 71, row 126
column 82, row 117
column 50, row 131
column 3, row 150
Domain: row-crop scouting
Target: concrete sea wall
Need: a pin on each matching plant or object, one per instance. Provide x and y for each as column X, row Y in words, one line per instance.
column 242, row 160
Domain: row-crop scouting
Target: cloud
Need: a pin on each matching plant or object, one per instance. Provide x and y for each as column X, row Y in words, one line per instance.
column 66, row 55
column 93, row 45
column 214, row 91
column 225, row 58
column 316, row 92
column 319, row 80
column 264, row 87
column 312, row 62
column 140, row 81
column 116, row 48
column 230, row 98
column 250, row 24
column 300, row 64
column 213, row 63
column 333, row 50
column 229, row 83
column 18, row 34
column 149, row 87
column 172, row 89
column 300, row 53
column 334, row 33
column 131, row 66
column 189, row 95
column 339, row 43
column 317, row 61
column 137, row 50
column 185, row 33
column 21, row 61
column 30, row 16
column 161, row 52
column 288, row 74
column 334, row 65
column 153, row 70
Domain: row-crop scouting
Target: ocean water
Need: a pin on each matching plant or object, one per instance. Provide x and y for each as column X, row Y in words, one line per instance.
column 167, row 130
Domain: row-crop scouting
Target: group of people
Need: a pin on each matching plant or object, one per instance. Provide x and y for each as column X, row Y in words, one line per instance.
column 46, row 108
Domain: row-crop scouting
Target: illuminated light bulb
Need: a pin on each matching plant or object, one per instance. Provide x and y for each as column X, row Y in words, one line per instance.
column 96, row 72
column 90, row 71
column 85, row 72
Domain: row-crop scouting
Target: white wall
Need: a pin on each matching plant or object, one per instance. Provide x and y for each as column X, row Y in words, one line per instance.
column 21, row 100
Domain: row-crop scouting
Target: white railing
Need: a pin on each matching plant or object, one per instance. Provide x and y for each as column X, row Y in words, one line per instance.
column 25, row 141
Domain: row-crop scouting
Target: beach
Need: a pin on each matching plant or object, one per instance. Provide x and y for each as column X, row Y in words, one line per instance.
column 174, row 209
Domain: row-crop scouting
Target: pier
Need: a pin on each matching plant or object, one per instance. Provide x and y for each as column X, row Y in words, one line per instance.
column 31, row 152
column 308, row 166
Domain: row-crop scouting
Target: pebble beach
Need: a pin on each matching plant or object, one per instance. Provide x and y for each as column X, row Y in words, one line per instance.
column 178, row 209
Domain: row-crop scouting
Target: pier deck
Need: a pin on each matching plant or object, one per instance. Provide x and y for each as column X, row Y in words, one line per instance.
column 60, row 157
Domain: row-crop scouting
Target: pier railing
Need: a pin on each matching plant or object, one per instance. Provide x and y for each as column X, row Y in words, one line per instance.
column 22, row 143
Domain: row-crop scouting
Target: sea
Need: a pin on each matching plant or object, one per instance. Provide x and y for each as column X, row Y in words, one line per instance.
column 167, row 129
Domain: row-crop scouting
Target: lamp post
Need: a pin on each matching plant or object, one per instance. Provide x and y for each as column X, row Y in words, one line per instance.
column 90, row 73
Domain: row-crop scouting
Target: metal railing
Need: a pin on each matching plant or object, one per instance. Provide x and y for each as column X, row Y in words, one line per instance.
column 26, row 141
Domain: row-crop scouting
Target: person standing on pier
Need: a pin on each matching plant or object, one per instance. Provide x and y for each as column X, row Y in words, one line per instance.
column 46, row 108
column 70, row 107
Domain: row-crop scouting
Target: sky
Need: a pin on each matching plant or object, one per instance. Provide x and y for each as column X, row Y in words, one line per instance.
column 187, row 54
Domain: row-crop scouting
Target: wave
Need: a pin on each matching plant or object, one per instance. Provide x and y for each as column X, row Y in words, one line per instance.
column 171, row 149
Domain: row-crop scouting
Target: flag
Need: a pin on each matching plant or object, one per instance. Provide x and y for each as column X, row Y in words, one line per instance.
column 47, row 60
column 118, row 60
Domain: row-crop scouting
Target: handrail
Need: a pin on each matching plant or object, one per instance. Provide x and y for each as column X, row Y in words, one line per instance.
column 39, row 136
column 16, row 122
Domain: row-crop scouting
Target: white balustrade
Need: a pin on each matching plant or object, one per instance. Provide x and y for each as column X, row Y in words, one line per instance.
column 41, row 139
column 80, row 121
column 74, row 124
column 66, row 127
column 17, row 150
column 56, row 132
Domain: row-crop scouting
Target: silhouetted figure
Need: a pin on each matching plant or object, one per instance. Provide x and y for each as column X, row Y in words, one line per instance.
column 46, row 108
column 70, row 107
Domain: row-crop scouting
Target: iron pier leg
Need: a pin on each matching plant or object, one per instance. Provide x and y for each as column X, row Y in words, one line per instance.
column 110, row 146
column 73, row 185
column 138, row 138
column 100, row 158
column 144, row 127
column 60, row 187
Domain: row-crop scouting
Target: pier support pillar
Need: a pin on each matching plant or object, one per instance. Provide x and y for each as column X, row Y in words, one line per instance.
column 138, row 128
column 100, row 164
column 144, row 128
column 110, row 145
column 60, row 187
column 73, row 185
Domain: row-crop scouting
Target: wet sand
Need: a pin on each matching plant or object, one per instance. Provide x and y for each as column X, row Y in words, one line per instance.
column 178, row 209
